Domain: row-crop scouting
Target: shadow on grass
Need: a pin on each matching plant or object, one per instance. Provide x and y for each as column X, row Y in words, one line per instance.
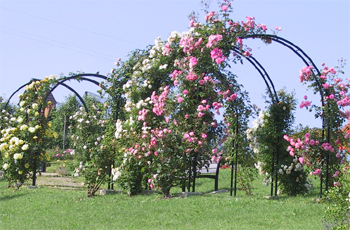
column 10, row 197
column 64, row 187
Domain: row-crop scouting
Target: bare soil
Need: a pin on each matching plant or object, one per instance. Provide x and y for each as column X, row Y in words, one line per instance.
column 53, row 180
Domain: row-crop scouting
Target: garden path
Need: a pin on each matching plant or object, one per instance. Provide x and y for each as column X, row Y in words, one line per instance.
column 52, row 179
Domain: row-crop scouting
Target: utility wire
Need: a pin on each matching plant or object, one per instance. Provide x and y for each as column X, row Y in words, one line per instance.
column 75, row 27
column 59, row 46
column 57, row 41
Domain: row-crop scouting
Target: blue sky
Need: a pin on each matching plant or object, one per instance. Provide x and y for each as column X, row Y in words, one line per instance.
column 42, row 38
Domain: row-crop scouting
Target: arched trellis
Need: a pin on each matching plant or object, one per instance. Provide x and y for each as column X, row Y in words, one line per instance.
column 273, row 95
column 61, row 82
column 79, row 77
column 251, row 59
column 307, row 61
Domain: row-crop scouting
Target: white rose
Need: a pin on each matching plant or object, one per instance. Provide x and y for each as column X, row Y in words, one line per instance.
column 17, row 156
column 5, row 166
column 23, row 127
column 31, row 129
column 25, row 147
column 22, row 103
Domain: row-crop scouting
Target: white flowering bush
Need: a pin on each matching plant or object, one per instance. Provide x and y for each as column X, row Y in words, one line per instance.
column 25, row 137
column 90, row 147
column 5, row 122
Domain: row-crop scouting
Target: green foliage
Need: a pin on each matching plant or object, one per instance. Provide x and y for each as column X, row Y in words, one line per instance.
column 10, row 107
column 89, row 146
column 246, row 177
column 268, row 137
column 60, row 119
column 237, row 115
column 133, row 177
column 337, row 212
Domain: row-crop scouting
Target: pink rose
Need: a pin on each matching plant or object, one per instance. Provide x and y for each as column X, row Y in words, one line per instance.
column 301, row 160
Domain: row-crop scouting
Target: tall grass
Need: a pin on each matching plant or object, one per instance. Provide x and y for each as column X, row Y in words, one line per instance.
column 48, row 208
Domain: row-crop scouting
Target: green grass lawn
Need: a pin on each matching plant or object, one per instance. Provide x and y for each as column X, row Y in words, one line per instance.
column 49, row 208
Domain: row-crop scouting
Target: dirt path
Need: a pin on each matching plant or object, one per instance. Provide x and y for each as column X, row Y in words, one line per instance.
column 53, row 180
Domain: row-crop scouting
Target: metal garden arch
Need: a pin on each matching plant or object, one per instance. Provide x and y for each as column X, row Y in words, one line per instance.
column 61, row 82
column 263, row 73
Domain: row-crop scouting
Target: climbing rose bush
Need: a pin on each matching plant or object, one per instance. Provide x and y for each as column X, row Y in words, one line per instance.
column 174, row 91
column 24, row 139
column 317, row 148
column 91, row 148
column 313, row 147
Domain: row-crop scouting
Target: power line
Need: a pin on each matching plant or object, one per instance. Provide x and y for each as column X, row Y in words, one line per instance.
column 59, row 46
column 57, row 41
column 75, row 27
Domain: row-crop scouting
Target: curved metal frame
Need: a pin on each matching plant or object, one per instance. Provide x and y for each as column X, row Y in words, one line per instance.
column 262, row 72
column 60, row 82
column 307, row 61
column 77, row 77
column 297, row 50
column 275, row 100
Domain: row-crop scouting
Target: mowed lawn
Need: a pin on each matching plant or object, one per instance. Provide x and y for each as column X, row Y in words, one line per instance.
column 56, row 208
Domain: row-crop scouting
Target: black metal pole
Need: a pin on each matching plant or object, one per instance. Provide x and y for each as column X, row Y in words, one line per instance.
column 34, row 171
column 327, row 166
column 276, row 171
column 231, row 172
column 321, row 182
column 109, row 176
column 236, row 160
column 236, row 168
column 327, row 156
column 272, row 170
column 279, row 130
column 189, row 176
column 194, row 173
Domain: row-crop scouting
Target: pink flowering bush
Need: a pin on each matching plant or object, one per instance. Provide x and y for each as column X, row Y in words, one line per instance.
column 318, row 149
column 312, row 147
column 172, row 93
